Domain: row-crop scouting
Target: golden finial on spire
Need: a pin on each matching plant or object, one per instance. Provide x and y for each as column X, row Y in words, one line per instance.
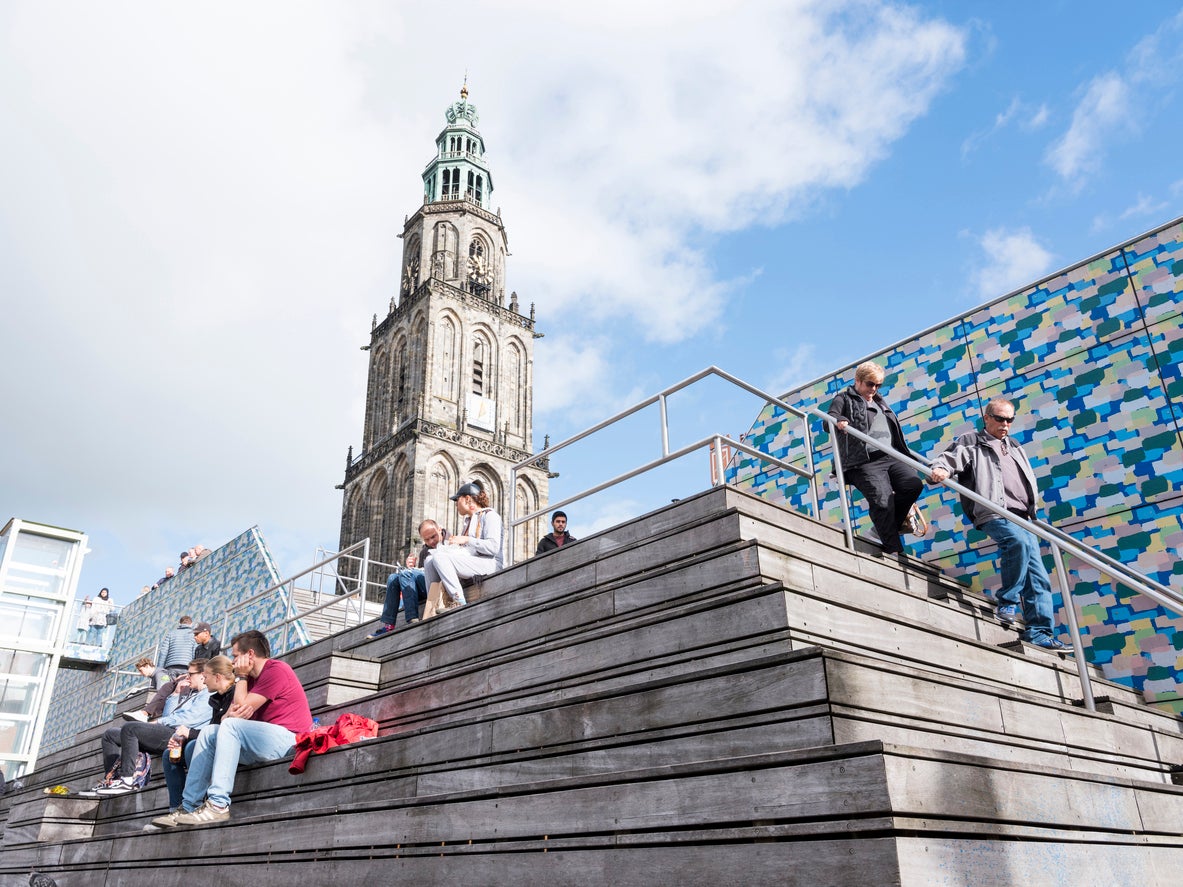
column 464, row 88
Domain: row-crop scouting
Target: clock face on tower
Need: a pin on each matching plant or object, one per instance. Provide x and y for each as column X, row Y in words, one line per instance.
column 411, row 276
column 478, row 269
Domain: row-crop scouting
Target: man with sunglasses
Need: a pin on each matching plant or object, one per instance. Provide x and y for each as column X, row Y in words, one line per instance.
column 1003, row 475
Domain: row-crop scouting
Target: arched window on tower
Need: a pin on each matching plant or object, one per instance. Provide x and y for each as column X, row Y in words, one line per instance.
column 447, row 182
column 479, row 357
column 470, row 191
column 455, row 182
column 479, row 274
column 479, row 187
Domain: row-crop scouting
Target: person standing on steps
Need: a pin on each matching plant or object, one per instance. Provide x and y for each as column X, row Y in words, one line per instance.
column 1002, row 474
column 890, row 487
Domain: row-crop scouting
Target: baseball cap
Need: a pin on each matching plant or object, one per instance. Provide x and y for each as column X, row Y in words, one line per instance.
column 466, row 490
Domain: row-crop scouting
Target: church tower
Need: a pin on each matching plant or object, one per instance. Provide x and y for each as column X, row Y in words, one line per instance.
column 450, row 393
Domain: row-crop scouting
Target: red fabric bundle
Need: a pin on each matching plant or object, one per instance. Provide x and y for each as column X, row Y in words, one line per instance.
column 349, row 728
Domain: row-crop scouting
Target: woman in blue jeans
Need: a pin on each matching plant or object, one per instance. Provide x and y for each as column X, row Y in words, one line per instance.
column 219, row 678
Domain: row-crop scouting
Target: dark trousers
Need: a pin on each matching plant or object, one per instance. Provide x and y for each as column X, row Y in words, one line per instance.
column 155, row 706
column 128, row 740
column 890, row 490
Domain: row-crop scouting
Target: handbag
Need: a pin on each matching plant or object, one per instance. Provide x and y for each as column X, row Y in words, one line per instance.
column 916, row 523
column 112, row 618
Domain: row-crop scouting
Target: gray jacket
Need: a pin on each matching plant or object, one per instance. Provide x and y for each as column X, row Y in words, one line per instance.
column 974, row 449
column 176, row 649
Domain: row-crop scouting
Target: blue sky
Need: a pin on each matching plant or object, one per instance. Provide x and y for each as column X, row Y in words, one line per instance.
column 199, row 210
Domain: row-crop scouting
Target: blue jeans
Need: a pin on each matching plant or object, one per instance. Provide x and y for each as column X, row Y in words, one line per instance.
column 410, row 596
column 219, row 750
column 174, row 774
column 1024, row 579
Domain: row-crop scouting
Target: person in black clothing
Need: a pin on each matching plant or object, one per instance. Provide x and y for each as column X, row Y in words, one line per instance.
column 208, row 646
column 889, row 487
column 560, row 536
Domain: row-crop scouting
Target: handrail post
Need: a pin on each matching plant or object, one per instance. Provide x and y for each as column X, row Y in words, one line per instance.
column 508, row 556
column 847, row 529
column 718, row 457
column 365, row 571
column 1082, row 667
column 665, row 427
column 807, row 442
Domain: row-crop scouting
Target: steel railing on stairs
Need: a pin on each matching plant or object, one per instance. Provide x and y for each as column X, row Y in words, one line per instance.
column 1060, row 542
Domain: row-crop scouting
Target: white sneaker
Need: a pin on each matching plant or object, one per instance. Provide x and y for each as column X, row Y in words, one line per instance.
column 141, row 716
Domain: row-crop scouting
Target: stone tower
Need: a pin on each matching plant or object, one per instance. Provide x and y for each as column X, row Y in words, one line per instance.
column 450, row 392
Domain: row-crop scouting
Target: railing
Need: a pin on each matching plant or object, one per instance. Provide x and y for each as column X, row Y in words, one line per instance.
column 114, row 693
column 1059, row 541
column 715, row 442
column 353, row 597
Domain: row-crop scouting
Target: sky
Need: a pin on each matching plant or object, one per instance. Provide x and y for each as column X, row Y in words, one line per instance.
column 200, row 208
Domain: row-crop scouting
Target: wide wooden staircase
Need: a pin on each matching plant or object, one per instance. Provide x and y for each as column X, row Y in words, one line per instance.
column 718, row 692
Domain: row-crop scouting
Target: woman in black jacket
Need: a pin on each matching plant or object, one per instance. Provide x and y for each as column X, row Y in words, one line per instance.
column 889, row 487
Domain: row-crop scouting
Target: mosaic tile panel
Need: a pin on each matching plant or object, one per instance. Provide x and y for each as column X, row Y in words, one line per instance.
column 1094, row 359
column 236, row 571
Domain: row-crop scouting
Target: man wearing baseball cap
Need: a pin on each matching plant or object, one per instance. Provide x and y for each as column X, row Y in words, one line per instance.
column 208, row 646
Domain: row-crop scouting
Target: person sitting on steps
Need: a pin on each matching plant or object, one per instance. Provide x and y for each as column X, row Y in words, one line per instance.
column 475, row 551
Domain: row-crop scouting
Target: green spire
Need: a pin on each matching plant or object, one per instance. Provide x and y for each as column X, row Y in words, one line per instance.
column 459, row 171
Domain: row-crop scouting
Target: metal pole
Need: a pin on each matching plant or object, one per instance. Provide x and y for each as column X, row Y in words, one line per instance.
column 846, row 528
column 1082, row 667
column 718, row 455
column 807, row 440
column 365, row 572
column 513, row 510
column 665, row 426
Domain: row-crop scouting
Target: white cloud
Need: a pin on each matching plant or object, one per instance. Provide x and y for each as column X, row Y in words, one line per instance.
column 1038, row 118
column 795, row 366
column 1102, row 115
column 1079, row 151
column 1013, row 259
column 201, row 211
column 1143, row 206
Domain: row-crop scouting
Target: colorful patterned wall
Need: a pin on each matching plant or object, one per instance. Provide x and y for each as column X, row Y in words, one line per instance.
column 234, row 572
column 1092, row 356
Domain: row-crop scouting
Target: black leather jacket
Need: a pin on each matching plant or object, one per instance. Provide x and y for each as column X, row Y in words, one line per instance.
column 849, row 405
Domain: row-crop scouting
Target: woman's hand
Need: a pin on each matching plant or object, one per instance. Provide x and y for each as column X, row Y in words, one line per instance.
column 841, row 425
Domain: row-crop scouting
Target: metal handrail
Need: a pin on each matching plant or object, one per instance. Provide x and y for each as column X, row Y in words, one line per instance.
column 1056, row 539
column 291, row 618
column 807, row 473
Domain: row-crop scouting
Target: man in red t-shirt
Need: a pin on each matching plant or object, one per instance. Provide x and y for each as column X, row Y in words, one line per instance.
column 269, row 709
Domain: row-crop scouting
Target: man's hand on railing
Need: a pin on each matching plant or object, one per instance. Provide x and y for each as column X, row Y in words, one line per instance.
column 938, row 475
column 841, row 425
